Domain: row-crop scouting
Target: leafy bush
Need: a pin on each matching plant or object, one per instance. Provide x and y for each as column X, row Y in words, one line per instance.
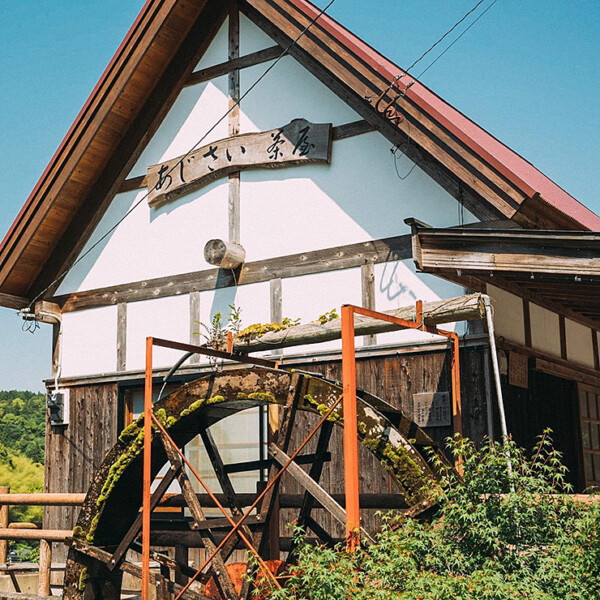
column 501, row 533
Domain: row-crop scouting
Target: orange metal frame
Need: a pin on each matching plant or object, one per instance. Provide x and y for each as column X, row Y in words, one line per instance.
column 350, row 434
column 351, row 466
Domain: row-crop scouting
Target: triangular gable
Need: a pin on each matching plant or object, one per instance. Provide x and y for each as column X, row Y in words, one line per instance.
column 153, row 64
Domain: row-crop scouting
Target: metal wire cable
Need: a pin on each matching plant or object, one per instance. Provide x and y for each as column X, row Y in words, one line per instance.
column 192, row 149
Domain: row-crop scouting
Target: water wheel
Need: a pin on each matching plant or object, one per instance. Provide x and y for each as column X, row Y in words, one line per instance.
column 110, row 521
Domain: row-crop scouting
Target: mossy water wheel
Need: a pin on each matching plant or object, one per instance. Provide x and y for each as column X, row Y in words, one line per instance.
column 109, row 522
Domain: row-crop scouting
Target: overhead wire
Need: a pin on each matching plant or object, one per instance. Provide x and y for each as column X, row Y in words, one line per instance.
column 192, row 149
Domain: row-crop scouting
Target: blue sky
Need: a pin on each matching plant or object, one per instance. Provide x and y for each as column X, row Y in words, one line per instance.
column 527, row 72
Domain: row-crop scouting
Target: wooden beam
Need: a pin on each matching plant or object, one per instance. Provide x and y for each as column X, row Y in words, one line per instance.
column 462, row 308
column 367, row 284
column 122, row 336
column 239, row 62
column 595, row 349
column 293, row 265
column 13, row 301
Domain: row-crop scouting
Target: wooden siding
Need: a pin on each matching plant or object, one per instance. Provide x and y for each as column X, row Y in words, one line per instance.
column 74, row 452
column 394, row 379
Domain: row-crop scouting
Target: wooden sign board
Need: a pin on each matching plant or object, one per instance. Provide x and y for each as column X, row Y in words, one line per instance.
column 432, row 409
column 518, row 369
column 297, row 143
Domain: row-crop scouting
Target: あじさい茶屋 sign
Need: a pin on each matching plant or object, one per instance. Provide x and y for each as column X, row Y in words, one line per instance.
column 299, row 142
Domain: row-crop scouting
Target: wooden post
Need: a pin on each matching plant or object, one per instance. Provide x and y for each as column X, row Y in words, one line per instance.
column 44, row 569
column 367, row 281
column 351, row 480
column 3, row 524
column 147, row 481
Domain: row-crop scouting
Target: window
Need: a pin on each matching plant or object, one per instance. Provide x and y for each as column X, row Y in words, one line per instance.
column 589, row 414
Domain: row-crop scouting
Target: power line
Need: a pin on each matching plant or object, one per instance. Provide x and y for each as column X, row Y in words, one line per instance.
column 192, row 149
column 456, row 40
column 445, row 35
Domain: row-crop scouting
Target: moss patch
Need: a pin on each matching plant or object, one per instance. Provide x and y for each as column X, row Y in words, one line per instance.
column 82, row 579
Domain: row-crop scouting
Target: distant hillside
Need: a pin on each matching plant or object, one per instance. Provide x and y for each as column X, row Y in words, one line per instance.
column 22, row 423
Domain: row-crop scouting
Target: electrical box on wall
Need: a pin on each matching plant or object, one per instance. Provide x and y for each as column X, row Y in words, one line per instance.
column 58, row 407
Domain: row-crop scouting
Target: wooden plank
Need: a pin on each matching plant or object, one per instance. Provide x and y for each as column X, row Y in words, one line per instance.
column 338, row 132
column 312, row 487
column 367, row 284
column 566, row 372
column 217, row 567
column 296, row 143
column 292, row 265
column 462, row 308
column 595, row 349
column 527, row 322
column 563, row 337
column 240, row 62
column 195, row 336
column 122, row 336
column 13, row 301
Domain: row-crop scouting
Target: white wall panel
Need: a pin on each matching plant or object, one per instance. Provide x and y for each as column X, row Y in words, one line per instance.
column 151, row 242
column 397, row 284
column 579, row 343
column 252, row 39
column 218, row 51
column 89, row 342
column 164, row 318
column 357, row 198
column 194, row 116
column 310, row 296
column 545, row 330
column 509, row 321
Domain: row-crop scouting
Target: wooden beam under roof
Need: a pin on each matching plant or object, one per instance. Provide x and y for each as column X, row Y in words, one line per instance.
column 559, row 270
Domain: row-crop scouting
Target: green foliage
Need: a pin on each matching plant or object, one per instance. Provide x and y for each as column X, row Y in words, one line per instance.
column 22, row 475
column 330, row 315
column 22, row 423
column 501, row 533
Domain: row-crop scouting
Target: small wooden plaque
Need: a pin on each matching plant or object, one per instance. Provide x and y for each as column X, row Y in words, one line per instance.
column 432, row 409
column 518, row 370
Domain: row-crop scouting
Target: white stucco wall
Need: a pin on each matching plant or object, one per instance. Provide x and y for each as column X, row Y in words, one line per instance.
column 579, row 343
column 545, row 330
column 509, row 321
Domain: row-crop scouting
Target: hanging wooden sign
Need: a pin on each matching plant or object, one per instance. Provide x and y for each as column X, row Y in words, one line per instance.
column 432, row 409
column 518, row 369
column 299, row 142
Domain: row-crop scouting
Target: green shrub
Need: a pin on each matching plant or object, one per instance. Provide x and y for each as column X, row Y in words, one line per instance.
column 501, row 533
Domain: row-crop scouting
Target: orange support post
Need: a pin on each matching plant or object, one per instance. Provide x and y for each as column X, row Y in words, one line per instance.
column 147, row 473
column 351, row 479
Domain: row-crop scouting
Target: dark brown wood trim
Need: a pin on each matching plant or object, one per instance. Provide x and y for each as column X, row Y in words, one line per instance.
column 595, row 349
column 339, row 132
column 563, row 336
column 554, row 365
column 527, row 322
column 293, row 265
column 122, row 336
column 130, row 148
column 241, row 62
column 10, row 301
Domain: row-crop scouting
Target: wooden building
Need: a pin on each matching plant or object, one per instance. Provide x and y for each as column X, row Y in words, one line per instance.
column 298, row 183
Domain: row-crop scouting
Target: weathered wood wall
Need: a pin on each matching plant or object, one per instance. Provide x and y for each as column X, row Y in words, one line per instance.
column 394, row 379
column 75, row 451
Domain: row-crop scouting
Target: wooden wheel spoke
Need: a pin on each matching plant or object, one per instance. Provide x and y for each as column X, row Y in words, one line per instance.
column 312, row 487
column 128, row 567
column 219, row 570
column 135, row 529
column 315, row 474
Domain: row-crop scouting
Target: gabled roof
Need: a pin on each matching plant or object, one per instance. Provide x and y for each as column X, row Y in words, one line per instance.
column 151, row 66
